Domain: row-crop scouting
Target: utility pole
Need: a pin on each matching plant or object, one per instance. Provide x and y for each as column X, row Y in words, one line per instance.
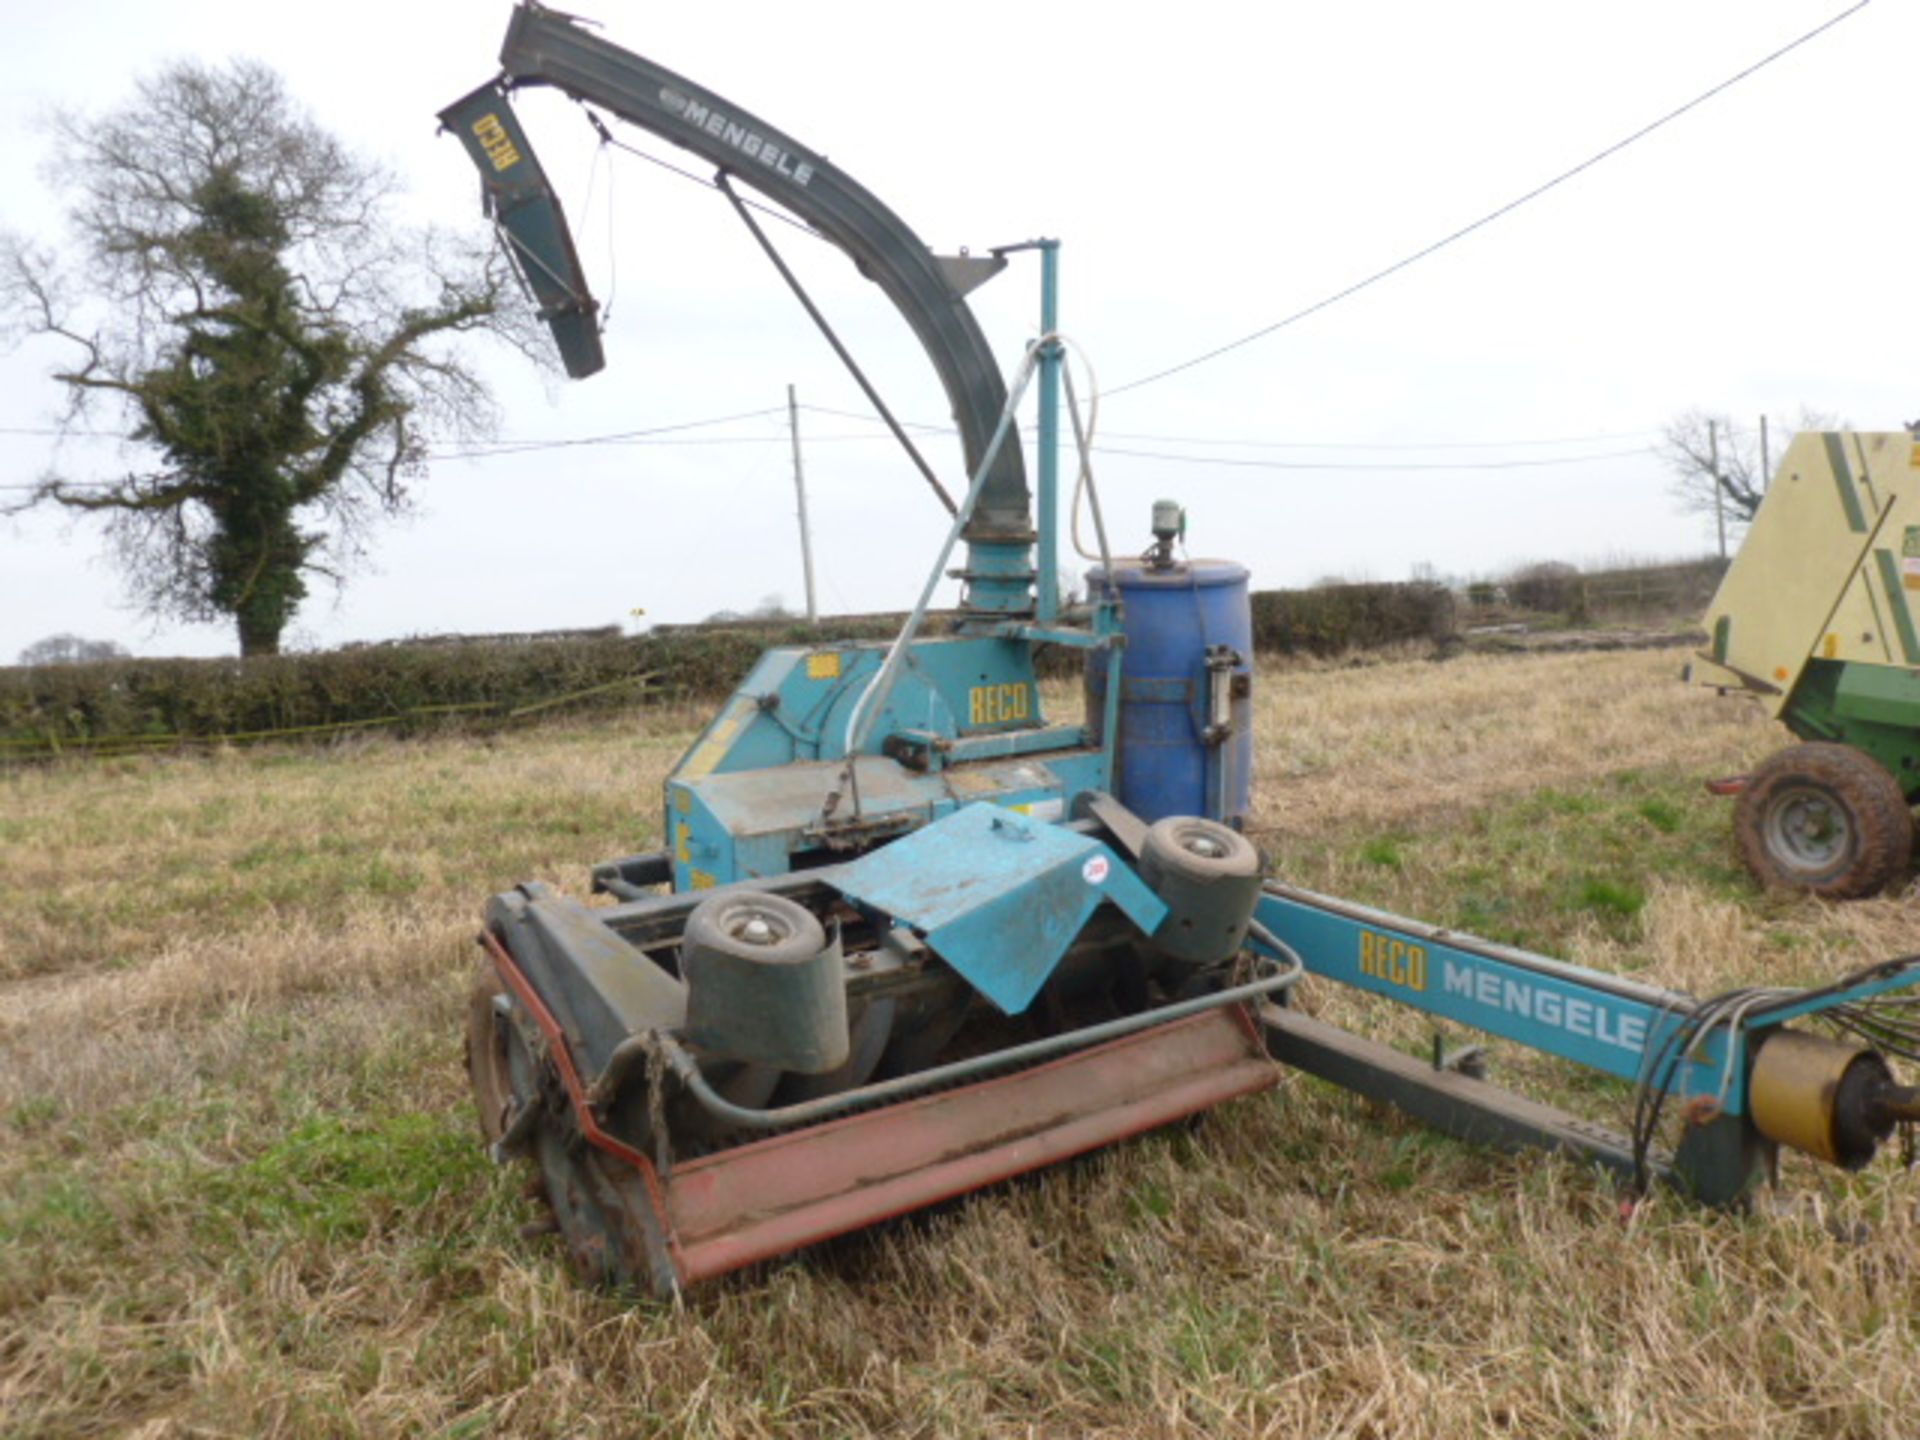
column 800, row 489
column 1766, row 460
column 1719, row 490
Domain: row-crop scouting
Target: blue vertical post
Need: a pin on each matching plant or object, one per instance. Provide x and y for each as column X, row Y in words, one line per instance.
column 1047, row 566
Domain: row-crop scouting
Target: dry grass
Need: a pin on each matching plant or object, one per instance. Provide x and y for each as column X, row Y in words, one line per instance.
column 238, row 1192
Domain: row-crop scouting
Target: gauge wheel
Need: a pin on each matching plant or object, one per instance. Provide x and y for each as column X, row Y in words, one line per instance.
column 1827, row 819
column 1197, row 849
column 1209, row 877
column 753, row 925
column 488, row 1068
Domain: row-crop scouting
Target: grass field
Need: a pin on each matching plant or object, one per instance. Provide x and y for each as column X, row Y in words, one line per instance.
column 240, row 1192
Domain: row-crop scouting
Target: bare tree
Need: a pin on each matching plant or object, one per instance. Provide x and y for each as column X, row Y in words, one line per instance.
column 1716, row 462
column 279, row 348
column 71, row 650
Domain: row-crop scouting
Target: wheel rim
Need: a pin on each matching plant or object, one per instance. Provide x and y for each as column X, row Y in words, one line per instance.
column 752, row 926
column 1808, row 831
column 488, row 1067
column 1207, row 847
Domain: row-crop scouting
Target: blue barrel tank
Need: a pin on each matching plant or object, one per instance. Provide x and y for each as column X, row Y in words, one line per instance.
column 1186, row 692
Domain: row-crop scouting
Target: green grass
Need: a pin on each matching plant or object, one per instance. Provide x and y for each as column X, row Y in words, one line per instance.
column 1384, row 852
column 1534, row 869
column 329, row 1178
column 241, row 1191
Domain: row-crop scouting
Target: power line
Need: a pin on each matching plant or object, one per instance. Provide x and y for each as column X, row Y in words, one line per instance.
column 478, row 446
column 1384, row 445
column 1492, row 215
column 1243, row 462
column 928, row 426
column 1122, row 452
column 487, row 450
column 616, row 437
column 1594, row 439
column 1247, row 462
column 514, row 447
column 508, row 453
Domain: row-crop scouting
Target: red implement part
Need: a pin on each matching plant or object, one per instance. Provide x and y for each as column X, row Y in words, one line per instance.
column 1727, row 785
column 766, row 1198
column 760, row 1200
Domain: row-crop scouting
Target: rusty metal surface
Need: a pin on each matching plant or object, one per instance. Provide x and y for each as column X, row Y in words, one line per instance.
column 1128, row 830
column 765, row 1199
column 562, row 1057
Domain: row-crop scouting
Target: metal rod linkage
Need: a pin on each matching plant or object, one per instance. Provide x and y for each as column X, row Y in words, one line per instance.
column 846, row 356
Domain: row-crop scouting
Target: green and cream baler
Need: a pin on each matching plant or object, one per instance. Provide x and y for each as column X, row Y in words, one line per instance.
column 1817, row 618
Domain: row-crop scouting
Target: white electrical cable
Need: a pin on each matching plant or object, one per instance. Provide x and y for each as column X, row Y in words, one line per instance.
column 1083, row 479
column 1083, row 439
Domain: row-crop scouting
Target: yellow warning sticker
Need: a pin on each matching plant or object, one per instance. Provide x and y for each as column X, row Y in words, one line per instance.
column 823, row 666
column 702, row 759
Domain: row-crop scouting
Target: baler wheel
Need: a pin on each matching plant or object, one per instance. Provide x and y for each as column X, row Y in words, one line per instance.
column 1824, row 818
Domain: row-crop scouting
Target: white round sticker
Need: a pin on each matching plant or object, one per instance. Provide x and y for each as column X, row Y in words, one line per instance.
column 1094, row 872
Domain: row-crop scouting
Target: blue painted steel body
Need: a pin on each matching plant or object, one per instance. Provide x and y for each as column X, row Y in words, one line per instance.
column 1597, row 1020
column 998, row 896
column 1605, row 1022
column 933, row 724
column 749, row 799
column 1163, row 762
column 1000, row 580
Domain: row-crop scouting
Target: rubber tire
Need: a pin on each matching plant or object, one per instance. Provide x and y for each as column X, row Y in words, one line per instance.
column 712, row 929
column 1879, row 841
column 715, row 922
column 1210, row 896
column 1165, row 851
column 486, row 1052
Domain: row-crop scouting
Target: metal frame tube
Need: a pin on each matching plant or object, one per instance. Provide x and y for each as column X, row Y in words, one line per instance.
column 1047, row 441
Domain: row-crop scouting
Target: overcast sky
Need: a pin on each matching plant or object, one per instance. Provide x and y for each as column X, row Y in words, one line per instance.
column 1210, row 169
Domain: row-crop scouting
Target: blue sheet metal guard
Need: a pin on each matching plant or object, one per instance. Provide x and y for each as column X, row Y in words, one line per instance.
column 999, row 896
